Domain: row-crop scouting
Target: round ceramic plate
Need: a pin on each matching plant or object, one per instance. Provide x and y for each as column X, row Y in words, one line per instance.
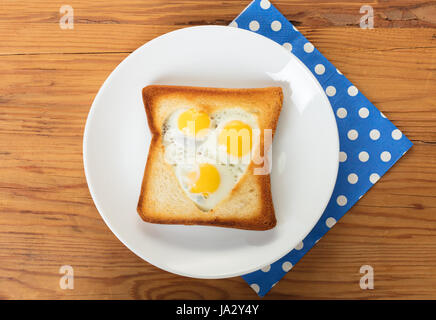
column 304, row 155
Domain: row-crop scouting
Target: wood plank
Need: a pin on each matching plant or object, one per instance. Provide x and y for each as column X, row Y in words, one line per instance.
column 112, row 26
column 42, row 117
column 388, row 13
column 70, row 232
column 404, row 59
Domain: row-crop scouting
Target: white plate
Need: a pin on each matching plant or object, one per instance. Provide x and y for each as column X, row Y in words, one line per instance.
column 305, row 149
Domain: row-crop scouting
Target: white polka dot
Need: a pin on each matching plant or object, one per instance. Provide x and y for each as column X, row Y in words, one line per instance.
column 274, row 285
column 381, row 113
column 341, row 200
column 266, row 268
column 363, row 156
column 254, row 25
column 385, row 156
column 374, row 178
column 265, row 4
column 363, row 113
column 234, row 24
column 374, row 134
column 330, row 91
column 342, row 156
column 299, row 246
column 396, row 134
column 353, row 178
column 276, row 25
column 352, row 91
column 308, row 47
column 352, row 134
column 295, row 28
column 337, row 70
column 287, row 46
column 319, row 69
column 286, row 266
column 341, row 113
column 330, row 222
column 255, row 287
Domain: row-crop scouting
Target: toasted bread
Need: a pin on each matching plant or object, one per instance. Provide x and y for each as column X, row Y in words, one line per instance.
column 162, row 199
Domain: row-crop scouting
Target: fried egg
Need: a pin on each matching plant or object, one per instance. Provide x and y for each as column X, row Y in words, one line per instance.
column 236, row 134
column 205, row 183
column 209, row 152
column 193, row 123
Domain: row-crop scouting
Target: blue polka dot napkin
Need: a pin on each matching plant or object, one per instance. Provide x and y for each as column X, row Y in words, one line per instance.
column 369, row 143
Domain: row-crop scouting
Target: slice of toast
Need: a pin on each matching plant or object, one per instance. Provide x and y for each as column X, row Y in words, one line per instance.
column 162, row 199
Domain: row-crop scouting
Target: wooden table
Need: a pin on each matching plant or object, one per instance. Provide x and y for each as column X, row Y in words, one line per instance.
column 50, row 76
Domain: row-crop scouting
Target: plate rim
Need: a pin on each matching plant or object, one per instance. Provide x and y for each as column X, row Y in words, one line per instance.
column 96, row 201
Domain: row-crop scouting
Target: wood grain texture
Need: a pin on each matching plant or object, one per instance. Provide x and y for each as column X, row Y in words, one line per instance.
column 50, row 76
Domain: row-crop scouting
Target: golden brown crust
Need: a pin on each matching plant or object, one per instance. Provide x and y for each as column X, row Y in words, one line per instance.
column 268, row 101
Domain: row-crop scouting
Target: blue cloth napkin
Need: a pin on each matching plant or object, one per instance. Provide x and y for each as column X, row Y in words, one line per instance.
column 369, row 143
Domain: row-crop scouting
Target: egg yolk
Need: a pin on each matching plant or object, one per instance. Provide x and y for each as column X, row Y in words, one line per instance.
column 237, row 137
column 205, row 181
column 194, row 123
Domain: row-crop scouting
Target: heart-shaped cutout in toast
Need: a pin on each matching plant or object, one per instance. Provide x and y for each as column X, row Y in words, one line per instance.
column 209, row 153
